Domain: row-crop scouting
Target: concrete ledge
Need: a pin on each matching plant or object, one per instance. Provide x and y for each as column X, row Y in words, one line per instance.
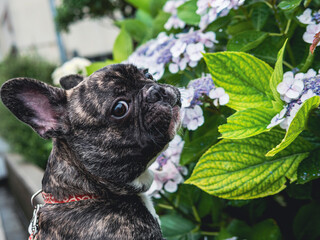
column 24, row 180
column 2, row 235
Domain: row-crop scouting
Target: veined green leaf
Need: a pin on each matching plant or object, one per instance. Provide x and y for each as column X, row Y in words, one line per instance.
column 187, row 12
column 260, row 14
column 123, row 46
column 246, row 41
column 309, row 169
column 289, row 5
column 239, row 169
column 244, row 77
column 277, row 77
column 297, row 125
column 247, row 123
column 175, row 226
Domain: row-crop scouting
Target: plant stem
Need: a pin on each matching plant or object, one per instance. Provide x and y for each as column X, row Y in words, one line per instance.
column 165, row 206
column 290, row 52
column 288, row 65
column 275, row 34
column 209, row 233
column 287, row 27
column 276, row 15
column 308, row 62
column 196, row 214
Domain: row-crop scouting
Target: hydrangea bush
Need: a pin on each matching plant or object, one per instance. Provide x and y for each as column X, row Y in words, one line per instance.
column 246, row 162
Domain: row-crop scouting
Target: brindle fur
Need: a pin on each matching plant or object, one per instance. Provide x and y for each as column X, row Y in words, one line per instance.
column 93, row 153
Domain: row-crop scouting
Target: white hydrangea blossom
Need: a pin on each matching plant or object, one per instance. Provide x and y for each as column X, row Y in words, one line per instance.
column 210, row 10
column 295, row 90
column 76, row 65
column 174, row 21
column 168, row 174
column 312, row 20
column 174, row 51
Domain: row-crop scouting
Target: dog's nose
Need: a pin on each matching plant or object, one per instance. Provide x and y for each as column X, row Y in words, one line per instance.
column 163, row 93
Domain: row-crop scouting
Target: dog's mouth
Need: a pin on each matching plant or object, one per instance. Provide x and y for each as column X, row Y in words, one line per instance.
column 175, row 122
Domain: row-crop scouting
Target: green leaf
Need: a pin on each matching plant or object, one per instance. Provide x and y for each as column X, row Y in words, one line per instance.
column 156, row 6
column 239, row 169
column 246, row 41
column 244, row 77
column 306, row 3
column 289, row 5
column 268, row 50
column 187, row 12
column 144, row 17
column 239, row 228
column 239, row 27
column 135, row 28
column 218, row 24
column 247, row 123
column 266, row 230
column 175, row 226
column 98, row 65
column 297, row 125
column 123, row 46
column 140, row 4
column 260, row 14
column 307, row 221
column 277, row 77
column 309, row 169
column 202, row 139
column 159, row 22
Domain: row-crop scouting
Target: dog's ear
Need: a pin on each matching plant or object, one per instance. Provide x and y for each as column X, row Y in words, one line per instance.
column 39, row 105
column 70, row 81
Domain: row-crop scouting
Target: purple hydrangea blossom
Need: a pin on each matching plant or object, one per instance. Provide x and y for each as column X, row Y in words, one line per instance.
column 174, row 21
column 166, row 169
column 313, row 25
column 310, row 83
column 175, row 51
column 192, row 114
column 210, row 10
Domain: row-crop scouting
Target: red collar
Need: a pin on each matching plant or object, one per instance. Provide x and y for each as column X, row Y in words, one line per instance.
column 49, row 199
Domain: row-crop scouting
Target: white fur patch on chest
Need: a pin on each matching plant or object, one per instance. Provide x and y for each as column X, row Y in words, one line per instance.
column 149, row 205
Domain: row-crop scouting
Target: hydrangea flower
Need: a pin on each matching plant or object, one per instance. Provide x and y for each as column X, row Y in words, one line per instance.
column 310, row 33
column 175, row 51
column 76, row 65
column 313, row 25
column 168, row 174
column 192, row 117
column 210, row 10
column 306, row 17
column 192, row 114
column 291, row 86
column 174, row 21
column 220, row 96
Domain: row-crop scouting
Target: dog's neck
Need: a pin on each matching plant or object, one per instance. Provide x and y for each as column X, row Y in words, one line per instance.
column 64, row 175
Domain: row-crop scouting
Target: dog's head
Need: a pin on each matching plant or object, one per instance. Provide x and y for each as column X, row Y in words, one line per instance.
column 115, row 121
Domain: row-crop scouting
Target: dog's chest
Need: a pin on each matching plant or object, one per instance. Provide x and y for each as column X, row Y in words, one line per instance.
column 149, row 205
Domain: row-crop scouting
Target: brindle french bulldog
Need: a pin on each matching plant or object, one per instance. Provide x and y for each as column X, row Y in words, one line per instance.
column 107, row 129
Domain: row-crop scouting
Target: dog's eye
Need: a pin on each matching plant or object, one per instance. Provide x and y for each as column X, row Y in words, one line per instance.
column 120, row 109
column 148, row 75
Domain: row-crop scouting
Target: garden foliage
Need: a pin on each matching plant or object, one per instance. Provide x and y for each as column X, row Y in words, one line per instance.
column 22, row 138
column 245, row 164
column 250, row 114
